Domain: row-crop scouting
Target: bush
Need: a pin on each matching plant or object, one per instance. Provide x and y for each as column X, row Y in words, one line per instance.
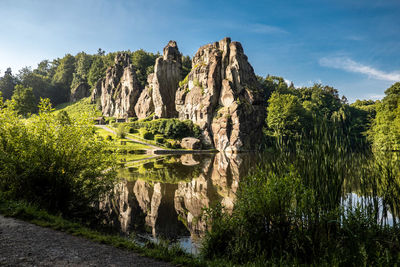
column 146, row 134
column 54, row 165
column 159, row 138
column 132, row 130
column 109, row 138
column 133, row 119
column 170, row 128
column 121, row 131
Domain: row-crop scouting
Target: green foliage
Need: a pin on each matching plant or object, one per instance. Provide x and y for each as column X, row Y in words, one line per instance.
column 145, row 134
column 170, row 128
column 144, row 62
column 24, row 100
column 54, row 164
column 285, row 114
column 97, row 70
column 7, row 83
column 64, row 74
column 292, row 208
column 121, row 131
column 186, row 66
column 159, row 138
column 83, row 107
column 385, row 131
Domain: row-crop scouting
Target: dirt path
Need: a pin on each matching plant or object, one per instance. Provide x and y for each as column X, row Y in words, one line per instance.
column 25, row 244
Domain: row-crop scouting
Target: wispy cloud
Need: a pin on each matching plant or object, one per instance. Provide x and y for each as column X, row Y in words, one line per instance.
column 375, row 96
column 265, row 29
column 350, row 65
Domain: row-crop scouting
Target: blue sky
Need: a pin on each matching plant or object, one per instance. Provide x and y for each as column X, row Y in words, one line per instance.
column 352, row 45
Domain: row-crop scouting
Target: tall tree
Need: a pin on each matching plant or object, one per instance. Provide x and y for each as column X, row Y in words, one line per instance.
column 7, row 84
column 24, row 99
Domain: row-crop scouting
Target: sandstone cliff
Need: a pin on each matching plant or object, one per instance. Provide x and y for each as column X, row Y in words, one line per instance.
column 223, row 96
column 119, row 90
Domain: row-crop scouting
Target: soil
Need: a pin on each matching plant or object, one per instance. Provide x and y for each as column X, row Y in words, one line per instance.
column 25, row 244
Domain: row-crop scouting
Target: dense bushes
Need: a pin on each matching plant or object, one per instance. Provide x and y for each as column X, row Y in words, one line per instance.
column 293, row 209
column 54, row 163
column 169, row 128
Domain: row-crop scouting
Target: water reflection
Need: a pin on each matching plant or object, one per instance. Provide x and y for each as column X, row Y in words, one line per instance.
column 166, row 197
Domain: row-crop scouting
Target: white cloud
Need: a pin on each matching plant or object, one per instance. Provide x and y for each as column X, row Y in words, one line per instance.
column 350, row 65
column 265, row 29
column 375, row 96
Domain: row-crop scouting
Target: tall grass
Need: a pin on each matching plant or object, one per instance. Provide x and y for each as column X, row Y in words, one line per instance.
column 293, row 207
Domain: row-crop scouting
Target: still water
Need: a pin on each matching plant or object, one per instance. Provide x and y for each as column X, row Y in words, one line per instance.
column 165, row 198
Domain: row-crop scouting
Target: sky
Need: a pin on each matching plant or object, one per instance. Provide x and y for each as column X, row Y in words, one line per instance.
column 352, row 45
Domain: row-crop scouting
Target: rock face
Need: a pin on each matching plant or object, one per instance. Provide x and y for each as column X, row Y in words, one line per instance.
column 191, row 143
column 167, row 74
column 82, row 90
column 120, row 89
column 222, row 95
column 145, row 106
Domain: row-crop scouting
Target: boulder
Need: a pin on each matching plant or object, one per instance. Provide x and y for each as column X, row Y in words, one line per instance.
column 222, row 95
column 190, row 143
column 82, row 90
column 120, row 88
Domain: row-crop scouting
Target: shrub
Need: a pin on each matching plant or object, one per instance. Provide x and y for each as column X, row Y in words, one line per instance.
column 146, row 134
column 54, row 165
column 132, row 130
column 121, row 131
column 133, row 119
column 109, row 138
column 159, row 138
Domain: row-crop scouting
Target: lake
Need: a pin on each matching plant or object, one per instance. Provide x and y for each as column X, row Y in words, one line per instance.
column 165, row 197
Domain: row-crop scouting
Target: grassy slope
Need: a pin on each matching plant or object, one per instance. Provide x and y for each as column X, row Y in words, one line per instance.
column 78, row 108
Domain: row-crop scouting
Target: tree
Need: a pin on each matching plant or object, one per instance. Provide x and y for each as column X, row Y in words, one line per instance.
column 385, row 130
column 97, row 70
column 24, row 99
column 285, row 114
column 7, row 84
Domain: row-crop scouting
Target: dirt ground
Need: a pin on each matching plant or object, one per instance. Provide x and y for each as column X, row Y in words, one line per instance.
column 25, row 244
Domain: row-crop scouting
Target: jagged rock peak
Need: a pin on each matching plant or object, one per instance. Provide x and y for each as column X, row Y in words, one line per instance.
column 222, row 95
column 120, row 89
column 171, row 52
column 122, row 59
column 167, row 74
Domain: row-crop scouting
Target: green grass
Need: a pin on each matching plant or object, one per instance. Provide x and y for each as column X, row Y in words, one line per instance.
column 78, row 108
column 33, row 214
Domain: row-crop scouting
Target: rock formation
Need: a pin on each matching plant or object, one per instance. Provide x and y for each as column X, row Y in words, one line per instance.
column 120, row 89
column 167, row 74
column 222, row 95
column 145, row 105
column 82, row 90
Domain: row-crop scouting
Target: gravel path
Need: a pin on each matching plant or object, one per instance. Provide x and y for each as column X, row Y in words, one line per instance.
column 25, row 244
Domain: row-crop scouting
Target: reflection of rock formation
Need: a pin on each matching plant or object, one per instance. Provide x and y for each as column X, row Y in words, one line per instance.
column 217, row 183
column 166, row 208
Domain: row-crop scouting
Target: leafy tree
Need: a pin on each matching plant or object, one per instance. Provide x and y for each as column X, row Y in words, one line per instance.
column 97, row 70
column 285, row 114
column 7, row 84
column 83, row 64
column 385, row 131
column 186, row 65
column 65, row 70
column 144, row 62
column 24, row 99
